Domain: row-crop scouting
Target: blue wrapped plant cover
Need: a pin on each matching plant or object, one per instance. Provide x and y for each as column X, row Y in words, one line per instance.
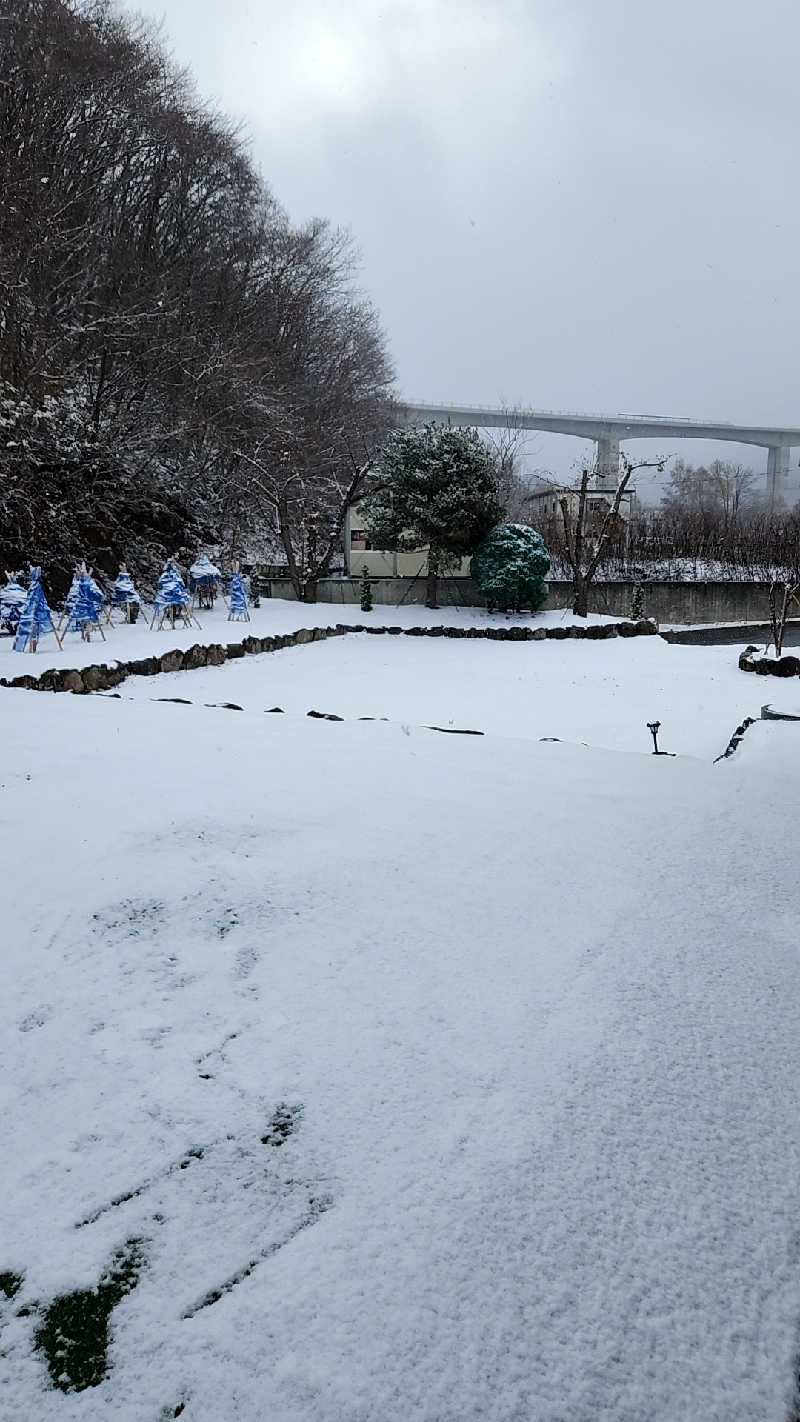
column 95, row 593
column 36, row 619
column 123, row 591
column 12, row 600
column 239, row 611
column 205, row 580
column 171, row 590
column 172, row 602
column 83, row 605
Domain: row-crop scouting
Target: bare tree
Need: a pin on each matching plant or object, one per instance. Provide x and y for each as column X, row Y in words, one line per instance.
column 162, row 322
column 509, row 446
column 720, row 491
column 584, row 548
column 305, row 514
column 733, row 484
column 781, row 596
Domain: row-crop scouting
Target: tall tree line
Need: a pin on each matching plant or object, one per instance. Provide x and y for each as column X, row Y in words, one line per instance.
column 177, row 360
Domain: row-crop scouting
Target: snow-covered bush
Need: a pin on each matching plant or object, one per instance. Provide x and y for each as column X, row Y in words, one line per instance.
column 637, row 602
column 510, row 567
column 366, row 590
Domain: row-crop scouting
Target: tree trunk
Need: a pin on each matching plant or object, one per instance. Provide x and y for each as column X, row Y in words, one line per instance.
column 580, row 596
column 432, row 580
column 310, row 590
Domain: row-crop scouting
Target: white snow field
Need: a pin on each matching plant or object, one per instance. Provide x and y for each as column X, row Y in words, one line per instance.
column 439, row 1078
column 597, row 693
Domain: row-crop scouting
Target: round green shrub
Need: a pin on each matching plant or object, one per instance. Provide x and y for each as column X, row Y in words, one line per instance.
column 509, row 567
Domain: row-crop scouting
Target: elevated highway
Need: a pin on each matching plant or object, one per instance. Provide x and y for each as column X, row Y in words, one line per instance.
column 608, row 432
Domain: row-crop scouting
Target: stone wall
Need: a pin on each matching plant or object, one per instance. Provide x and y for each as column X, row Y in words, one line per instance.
column 666, row 602
column 99, row 677
column 677, row 602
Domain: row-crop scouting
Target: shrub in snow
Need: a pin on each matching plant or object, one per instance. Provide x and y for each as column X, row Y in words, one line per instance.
column 366, row 590
column 637, row 603
column 510, row 567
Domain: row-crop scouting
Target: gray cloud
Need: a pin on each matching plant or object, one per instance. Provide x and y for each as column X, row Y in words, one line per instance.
column 572, row 205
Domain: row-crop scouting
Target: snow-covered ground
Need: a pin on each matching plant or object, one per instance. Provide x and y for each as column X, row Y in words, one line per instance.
column 440, row 1078
column 275, row 616
column 598, row 693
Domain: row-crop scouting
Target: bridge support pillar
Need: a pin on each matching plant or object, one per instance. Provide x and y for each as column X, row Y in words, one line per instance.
column 777, row 475
column 607, row 462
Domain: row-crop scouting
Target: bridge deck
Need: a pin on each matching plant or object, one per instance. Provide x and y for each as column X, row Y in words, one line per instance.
column 599, row 426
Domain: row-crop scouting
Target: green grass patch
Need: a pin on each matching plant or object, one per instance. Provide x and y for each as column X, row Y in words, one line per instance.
column 74, row 1332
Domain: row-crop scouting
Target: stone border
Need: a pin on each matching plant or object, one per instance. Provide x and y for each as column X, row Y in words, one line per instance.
column 99, row 677
column 768, row 666
column 736, row 739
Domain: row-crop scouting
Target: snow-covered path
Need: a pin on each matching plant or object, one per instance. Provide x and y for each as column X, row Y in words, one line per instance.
column 528, row 1015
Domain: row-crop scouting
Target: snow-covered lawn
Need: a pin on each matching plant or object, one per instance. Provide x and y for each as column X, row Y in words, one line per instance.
column 442, row 1078
column 275, row 616
column 600, row 694
column 597, row 693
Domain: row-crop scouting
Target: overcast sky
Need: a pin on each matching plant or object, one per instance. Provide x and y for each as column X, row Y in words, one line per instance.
column 564, row 204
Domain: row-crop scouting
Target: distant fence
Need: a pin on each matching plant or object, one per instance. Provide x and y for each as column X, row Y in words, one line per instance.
column 666, row 602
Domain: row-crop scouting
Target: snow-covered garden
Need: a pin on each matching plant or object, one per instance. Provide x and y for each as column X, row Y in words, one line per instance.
column 374, row 1073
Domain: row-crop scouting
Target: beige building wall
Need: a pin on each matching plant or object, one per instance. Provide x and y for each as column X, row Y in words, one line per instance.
column 546, row 502
column 384, row 563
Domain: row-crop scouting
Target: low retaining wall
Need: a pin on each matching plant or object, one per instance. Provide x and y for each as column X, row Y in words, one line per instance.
column 666, row 602
column 98, row 677
column 386, row 592
column 676, row 602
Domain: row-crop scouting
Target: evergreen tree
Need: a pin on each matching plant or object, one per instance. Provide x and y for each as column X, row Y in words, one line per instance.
column 510, row 567
column 366, row 590
column 637, row 603
column 437, row 488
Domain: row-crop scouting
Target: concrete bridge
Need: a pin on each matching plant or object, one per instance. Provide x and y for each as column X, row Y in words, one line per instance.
column 608, row 431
